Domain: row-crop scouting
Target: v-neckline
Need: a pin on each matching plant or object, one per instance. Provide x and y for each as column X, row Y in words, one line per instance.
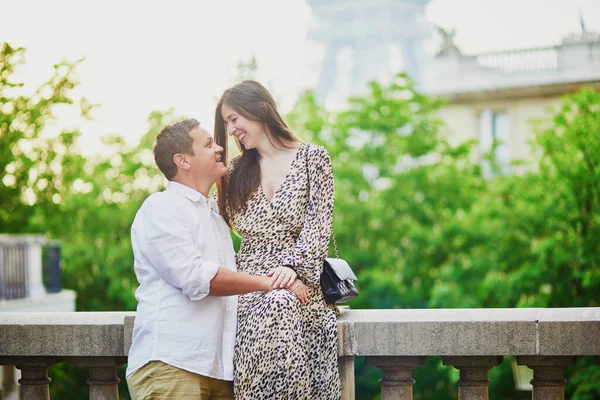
column 292, row 166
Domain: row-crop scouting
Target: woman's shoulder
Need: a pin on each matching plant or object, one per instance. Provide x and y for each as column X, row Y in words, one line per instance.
column 317, row 153
column 232, row 163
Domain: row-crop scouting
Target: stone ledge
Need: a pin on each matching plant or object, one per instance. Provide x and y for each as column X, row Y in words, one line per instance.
column 65, row 334
column 439, row 332
column 459, row 332
column 569, row 331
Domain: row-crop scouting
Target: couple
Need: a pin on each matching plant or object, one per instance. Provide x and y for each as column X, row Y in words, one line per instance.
column 192, row 336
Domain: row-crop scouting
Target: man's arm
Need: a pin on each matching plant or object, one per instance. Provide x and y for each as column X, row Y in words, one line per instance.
column 228, row 283
column 166, row 240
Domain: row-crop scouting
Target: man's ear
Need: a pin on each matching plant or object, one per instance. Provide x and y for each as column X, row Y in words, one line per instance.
column 181, row 161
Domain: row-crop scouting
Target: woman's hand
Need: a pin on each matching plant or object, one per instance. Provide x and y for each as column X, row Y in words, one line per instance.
column 282, row 277
column 300, row 290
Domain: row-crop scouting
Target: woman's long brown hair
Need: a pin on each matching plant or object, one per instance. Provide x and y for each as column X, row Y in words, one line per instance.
column 252, row 101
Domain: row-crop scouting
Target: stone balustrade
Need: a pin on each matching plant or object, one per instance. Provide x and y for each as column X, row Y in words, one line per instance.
column 395, row 341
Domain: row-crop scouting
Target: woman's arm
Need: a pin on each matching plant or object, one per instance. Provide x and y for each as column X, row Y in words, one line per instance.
column 313, row 241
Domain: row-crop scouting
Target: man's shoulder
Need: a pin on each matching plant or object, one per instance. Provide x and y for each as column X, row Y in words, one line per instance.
column 163, row 207
column 160, row 201
column 168, row 198
column 157, row 198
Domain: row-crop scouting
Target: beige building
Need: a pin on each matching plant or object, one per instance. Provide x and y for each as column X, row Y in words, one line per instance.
column 499, row 95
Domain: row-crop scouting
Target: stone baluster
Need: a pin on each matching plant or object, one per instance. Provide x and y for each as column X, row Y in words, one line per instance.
column 397, row 381
column 548, row 378
column 346, row 370
column 34, row 376
column 103, row 381
column 473, row 382
column 8, row 378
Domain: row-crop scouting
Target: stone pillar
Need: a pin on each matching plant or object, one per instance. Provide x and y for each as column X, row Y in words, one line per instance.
column 473, row 382
column 548, row 381
column 346, row 369
column 34, row 379
column 103, row 381
column 397, row 381
column 34, row 268
column 8, row 378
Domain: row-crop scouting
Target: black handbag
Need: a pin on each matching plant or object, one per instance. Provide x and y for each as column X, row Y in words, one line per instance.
column 337, row 279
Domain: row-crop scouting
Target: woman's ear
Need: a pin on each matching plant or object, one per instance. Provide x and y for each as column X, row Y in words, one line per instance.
column 263, row 109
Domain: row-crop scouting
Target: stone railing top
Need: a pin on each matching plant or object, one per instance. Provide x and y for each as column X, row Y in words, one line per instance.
column 470, row 332
column 420, row 332
column 62, row 334
column 442, row 315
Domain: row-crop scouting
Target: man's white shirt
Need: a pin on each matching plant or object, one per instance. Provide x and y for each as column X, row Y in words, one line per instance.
column 179, row 241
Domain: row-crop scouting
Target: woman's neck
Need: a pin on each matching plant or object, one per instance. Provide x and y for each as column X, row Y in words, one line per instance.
column 267, row 151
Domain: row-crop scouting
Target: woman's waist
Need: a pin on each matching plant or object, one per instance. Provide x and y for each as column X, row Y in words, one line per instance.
column 274, row 242
column 315, row 298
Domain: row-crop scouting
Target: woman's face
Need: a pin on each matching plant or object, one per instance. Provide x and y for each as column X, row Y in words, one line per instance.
column 247, row 132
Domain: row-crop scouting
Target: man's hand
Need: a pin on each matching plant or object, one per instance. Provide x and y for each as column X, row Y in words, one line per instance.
column 300, row 290
column 282, row 277
column 267, row 285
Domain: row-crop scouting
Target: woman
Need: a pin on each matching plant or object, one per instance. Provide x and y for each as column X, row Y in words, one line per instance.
column 278, row 195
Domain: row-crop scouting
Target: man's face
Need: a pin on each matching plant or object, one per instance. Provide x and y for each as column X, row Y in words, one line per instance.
column 207, row 160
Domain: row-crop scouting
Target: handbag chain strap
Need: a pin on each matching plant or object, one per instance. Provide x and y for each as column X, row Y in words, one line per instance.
column 335, row 247
column 337, row 255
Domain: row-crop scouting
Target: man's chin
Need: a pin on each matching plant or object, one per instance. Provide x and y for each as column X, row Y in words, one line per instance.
column 222, row 171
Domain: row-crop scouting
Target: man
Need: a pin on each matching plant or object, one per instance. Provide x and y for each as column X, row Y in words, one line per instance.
column 184, row 333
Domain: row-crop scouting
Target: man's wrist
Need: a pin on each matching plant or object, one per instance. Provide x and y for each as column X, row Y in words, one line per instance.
column 266, row 283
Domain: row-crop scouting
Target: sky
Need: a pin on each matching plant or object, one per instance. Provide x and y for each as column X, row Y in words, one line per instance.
column 153, row 55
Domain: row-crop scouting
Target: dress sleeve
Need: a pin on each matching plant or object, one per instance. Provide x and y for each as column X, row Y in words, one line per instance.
column 313, row 241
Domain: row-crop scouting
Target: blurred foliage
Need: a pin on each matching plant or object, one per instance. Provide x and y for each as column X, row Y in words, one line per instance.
column 424, row 228
column 414, row 215
column 88, row 203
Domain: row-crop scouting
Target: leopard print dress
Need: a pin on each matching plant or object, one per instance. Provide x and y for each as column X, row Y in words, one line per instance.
column 285, row 350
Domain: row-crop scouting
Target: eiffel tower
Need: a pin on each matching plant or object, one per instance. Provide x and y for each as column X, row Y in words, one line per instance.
column 374, row 39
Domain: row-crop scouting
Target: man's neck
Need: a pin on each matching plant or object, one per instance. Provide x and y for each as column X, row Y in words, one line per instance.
column 196, row 184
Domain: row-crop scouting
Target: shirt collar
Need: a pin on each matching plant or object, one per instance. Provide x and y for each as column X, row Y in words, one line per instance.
column 185, row 191
column 192, row 195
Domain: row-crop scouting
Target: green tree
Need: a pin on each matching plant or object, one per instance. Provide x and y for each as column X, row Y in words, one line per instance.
column 424, row 228
column 400, row 190
column 414, row 215
column 30, row 163
column 88, row 204
column 95, row 219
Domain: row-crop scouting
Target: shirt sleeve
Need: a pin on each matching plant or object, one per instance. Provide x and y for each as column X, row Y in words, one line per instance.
column 170, row 249
column 313, row 241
